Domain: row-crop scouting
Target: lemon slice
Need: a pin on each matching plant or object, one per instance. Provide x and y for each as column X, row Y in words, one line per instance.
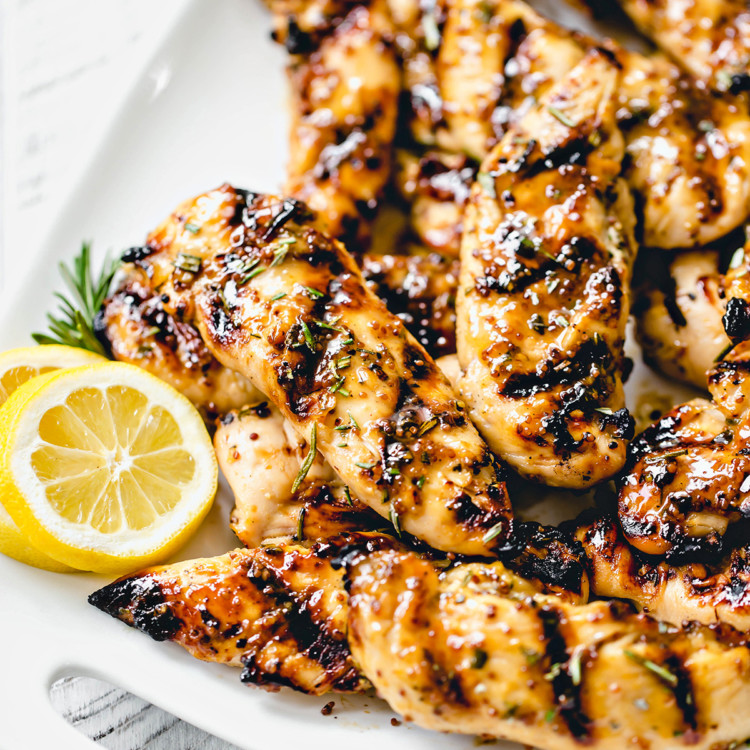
column 19, row 365
column 104, row 467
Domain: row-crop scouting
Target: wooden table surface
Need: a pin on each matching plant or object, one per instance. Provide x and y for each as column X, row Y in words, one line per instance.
column 66, row 66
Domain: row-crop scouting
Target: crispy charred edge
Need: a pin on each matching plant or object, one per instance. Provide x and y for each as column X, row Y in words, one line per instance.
column 421, row 290
column 549, row 557
column 324, row 516
column 302, row 374
column 724, row 582
column 296, row 618
column 303, row 620
column 660, row 439
column 135, row 305
column 139, row 601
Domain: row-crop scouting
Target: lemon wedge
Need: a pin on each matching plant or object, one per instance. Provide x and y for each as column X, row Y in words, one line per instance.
column 17, row 366
column 104, row 467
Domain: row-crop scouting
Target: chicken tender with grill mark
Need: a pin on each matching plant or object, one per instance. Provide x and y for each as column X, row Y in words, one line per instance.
column 287, row 306
column 687, row 151
column 543, row 293
column 471, row 650
column 280, row 614
column 281, row 610
column 344, row 109
column 688, row 154
column 136, row 329
column 687, row 476
column 261, row 457
column 679, row 308
column 709, row 38
column 705, row 592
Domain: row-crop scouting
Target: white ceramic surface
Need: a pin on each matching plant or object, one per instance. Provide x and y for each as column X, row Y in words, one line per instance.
column 209, row 108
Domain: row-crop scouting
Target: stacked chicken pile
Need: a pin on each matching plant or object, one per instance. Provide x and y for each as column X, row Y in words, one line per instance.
column 467, row 175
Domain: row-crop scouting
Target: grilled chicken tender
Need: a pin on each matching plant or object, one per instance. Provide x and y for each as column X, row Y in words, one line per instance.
column 136, row 329
column 281, row 610
column 344, row 109
column 287, row 307
column 679, row 309
column 543, row 301
column 709, row 38
column 687, row 478
column 708, row 593
column 687, row 151
column 472, row 650
column 261, row 457
column 279, row 613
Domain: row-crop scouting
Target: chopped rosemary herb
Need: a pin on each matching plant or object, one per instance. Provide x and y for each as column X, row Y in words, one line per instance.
column 604, row 410
column 427, row 426
column 278, row 296
column 347, row 342
column 494, row 532
column 561, row 116
column 188, row 263
column 662, row 672
column 421, row 481
column 365, row 465
column 313, row 293
column 354, row 421
column 337, row 384
column 328, row 326
column 348, row 495
column 192, row 228
column 479, row 658
column 554, row 672
column 549, row 715
column 345, row 392
column 308, row 462
column 487, row 181
column 309, row 340
column 255, row 272
column 279, row 256
column 574, row 667
column 532, row 656
column 394, row 520
column 560, row 320
column 74, row 325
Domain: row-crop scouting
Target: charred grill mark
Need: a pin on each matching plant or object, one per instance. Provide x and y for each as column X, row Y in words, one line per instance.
column 313, row 635
column 736, row 320
column 574, row 152
column 550, row 556
column 566, row 683
column 589, row 363
column 144, row 601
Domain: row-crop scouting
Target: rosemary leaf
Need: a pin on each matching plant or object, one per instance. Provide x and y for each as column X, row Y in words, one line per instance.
column 308, row 462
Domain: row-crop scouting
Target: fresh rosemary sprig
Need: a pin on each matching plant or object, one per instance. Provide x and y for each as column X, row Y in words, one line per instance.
column 73, row 325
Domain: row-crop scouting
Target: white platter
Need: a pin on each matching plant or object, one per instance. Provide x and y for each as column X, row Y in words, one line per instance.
column 209, row 108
